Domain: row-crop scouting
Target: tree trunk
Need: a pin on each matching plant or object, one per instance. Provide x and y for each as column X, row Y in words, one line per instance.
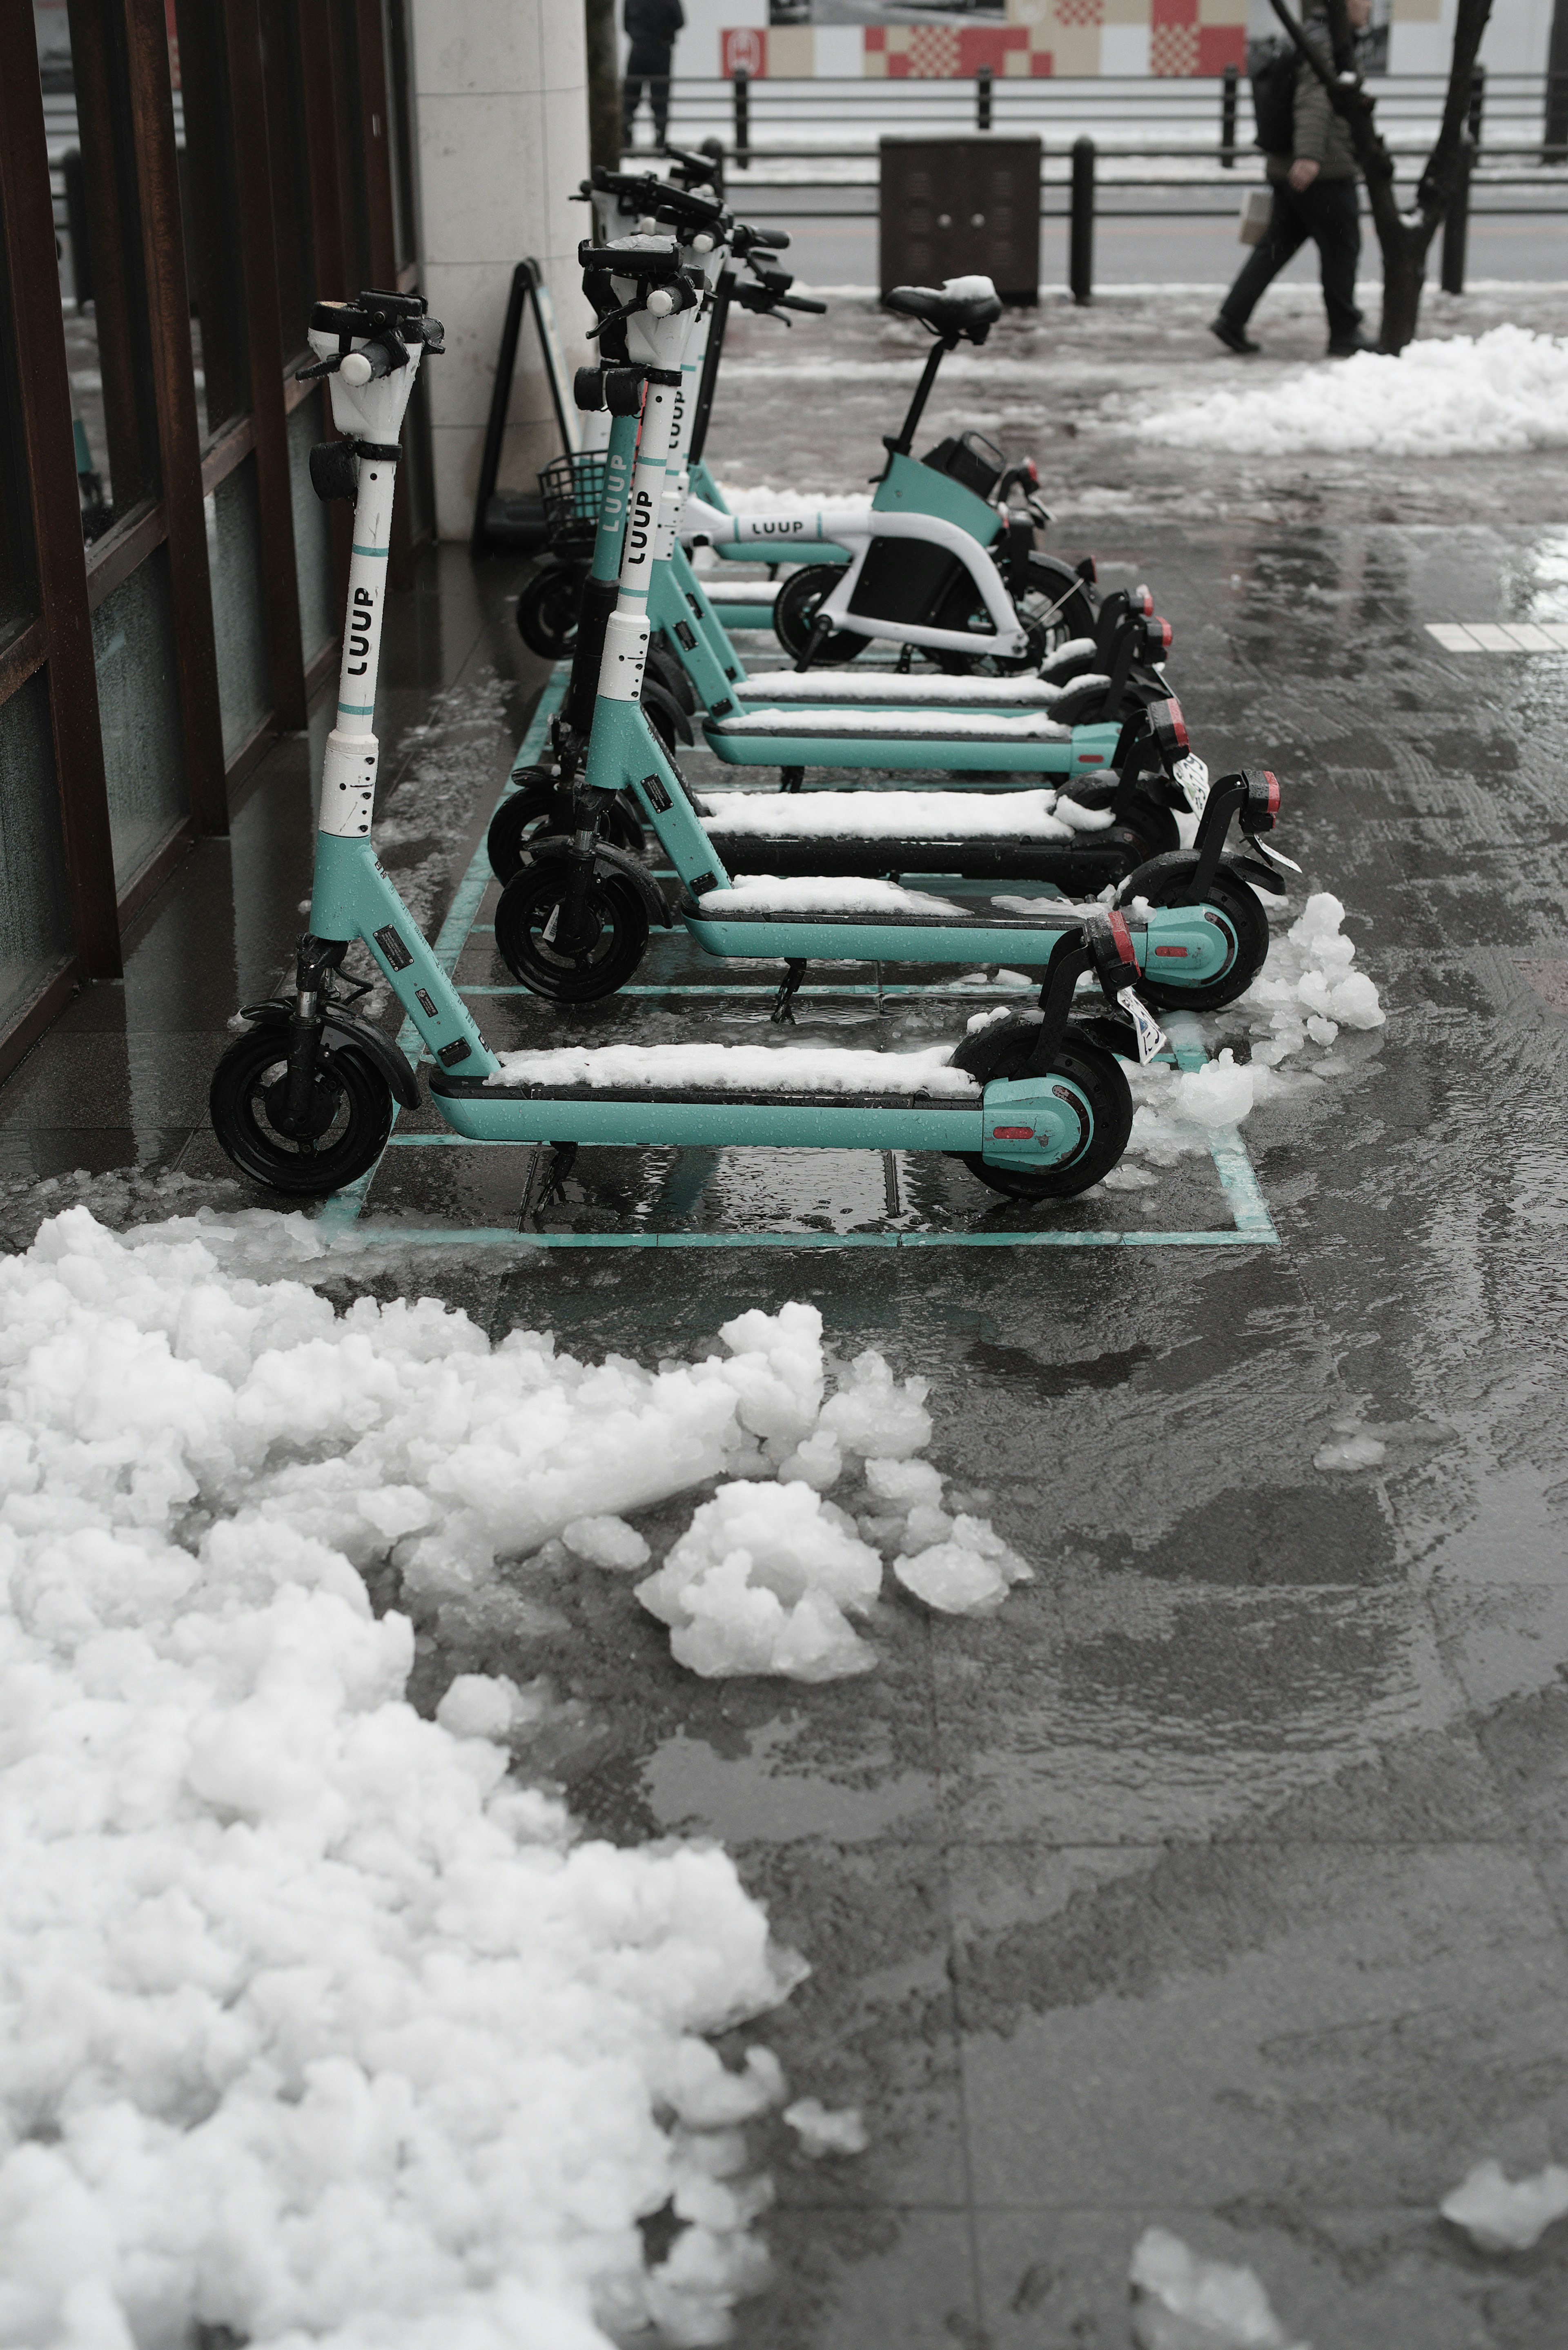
column 603, row 85
column 1403, row 239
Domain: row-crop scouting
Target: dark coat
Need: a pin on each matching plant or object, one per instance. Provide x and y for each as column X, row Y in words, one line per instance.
column 652, row 24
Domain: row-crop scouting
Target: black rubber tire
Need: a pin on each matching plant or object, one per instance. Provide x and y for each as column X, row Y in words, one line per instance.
column 620, row 934
column 538, row 807
column 1052, row 582
column 354, row 1112
column 1230, row 897
column 794, row 610
column 1096, row 1073
column 547, row 611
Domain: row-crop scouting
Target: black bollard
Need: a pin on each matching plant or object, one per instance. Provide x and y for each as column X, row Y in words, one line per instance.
column 1457, row 224
column 742, row 81
column 1081, row 229
column 982, row 98
column 1228, row 120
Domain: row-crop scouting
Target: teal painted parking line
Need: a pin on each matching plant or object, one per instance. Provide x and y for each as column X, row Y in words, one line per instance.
column 495, row 1236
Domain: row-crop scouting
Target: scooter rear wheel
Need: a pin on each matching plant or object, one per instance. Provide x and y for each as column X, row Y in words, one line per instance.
column 547, row 611
column 794, row 615
column 613, row 937
column 538, row 808
column 1230, row 900
column 1099, row 1078
column 350, row 1116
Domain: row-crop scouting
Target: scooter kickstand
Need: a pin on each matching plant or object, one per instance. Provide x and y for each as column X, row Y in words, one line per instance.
column 791, row 778
column 783, row 1013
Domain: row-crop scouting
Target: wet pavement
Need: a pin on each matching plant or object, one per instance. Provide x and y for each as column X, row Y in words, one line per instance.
column 1221, row 1880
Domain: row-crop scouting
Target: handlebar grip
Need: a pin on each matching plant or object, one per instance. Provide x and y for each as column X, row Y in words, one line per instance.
column 802, row 302
column 776, row 239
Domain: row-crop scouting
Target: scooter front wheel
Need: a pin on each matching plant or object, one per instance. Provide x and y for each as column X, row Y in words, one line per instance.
column 1098, row 1078
column 539, row 806
column 548, row 612
column 566, row 957
column 346, row 1129
column 1227, row 900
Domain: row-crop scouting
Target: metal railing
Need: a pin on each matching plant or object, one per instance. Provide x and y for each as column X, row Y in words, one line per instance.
column 760, row 118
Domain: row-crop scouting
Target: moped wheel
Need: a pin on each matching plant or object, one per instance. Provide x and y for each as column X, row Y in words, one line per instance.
column 1231, row 902
column 538, row 807
column 548, row 612
column 611, row 934
column 794, row 615
column 1055, row 608
column 350, row 1116
column 1099, row 1078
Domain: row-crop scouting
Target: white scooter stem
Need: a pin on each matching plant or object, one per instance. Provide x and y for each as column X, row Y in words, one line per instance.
column 372, row 412
column 661, row 343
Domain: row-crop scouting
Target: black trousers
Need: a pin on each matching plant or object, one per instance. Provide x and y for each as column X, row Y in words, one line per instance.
column 648, row 66
column 1328, row 213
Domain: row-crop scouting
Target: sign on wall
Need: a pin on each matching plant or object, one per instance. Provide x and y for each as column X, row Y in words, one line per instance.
column 1027, row 38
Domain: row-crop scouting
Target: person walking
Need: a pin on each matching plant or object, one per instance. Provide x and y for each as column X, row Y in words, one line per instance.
column 1314, row 196
column 650, row 26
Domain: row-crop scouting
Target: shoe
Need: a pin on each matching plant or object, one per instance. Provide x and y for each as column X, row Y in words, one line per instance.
column 1233, row 338
column 1349, row 350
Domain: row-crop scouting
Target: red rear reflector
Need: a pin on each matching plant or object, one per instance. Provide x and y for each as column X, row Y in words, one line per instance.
column 1144, row 600
column 1032, row 470
column 1123, row 937
column 1273, row 793
column 1091, row 759
column 1164, row 634
column 1013, row 1134
column 1171, row 951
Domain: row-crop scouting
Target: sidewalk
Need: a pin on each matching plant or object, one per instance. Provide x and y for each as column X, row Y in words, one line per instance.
column 1219, row 1881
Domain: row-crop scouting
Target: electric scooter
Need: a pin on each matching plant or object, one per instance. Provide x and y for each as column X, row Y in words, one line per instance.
column 305, row 1099
column 572, row 923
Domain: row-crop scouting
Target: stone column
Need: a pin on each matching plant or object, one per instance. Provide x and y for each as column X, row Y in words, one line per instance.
column 500, row 97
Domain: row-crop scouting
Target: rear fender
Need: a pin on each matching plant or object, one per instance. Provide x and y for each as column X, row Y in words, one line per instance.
column 341, row 1030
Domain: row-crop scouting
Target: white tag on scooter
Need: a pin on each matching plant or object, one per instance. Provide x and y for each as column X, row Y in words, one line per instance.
column 1192, row 775
column 1275, row 856
column 1146, row 1028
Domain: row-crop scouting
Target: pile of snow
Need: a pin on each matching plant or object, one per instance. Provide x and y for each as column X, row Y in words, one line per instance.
column 1182, row 2302
column 1503, row 2215
column 1352, row 1447
column 316, row 2027
column 739, row 1068
column 1499, row 393
column 766, row 1578
column 1305, row 994
column 897, row 815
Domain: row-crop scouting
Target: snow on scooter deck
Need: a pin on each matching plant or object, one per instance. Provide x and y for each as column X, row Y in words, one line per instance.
column 744, row 1199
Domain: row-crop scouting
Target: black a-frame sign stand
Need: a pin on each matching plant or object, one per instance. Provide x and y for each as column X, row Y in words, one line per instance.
column 516, row 519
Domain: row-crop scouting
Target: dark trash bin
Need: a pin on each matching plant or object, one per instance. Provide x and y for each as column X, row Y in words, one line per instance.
column 953, row 207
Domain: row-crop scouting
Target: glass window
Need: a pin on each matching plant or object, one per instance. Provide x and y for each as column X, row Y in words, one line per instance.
column 102, row 282
column 290, row 171
column 209, row 209
column 35, row 934
column 18, row 563
column 133, row 635
column 239, row 623
column 312, row 541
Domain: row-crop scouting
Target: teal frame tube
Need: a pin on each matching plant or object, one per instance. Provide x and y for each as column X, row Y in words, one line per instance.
column 352, row 898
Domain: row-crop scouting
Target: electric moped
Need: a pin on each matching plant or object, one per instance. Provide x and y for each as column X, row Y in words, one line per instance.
column 304, row 1100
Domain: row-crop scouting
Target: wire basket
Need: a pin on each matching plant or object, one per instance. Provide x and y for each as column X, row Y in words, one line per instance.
column 573, row 490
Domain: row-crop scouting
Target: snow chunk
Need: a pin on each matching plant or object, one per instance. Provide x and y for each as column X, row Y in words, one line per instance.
column 760, row 1582
column 1182, row 2302
column 1504, row 2215
column 607, row 1542
column 1350, row 1450
column 828, row 893
column 480, row 1705
column 821, row 2132
column 968, row 1574
column 1503, row 390
column 874, row 1415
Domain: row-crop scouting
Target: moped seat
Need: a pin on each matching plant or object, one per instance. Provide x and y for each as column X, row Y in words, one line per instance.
column 962, row 305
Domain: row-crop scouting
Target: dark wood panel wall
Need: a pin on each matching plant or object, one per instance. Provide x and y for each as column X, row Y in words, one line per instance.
column 289, row 136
